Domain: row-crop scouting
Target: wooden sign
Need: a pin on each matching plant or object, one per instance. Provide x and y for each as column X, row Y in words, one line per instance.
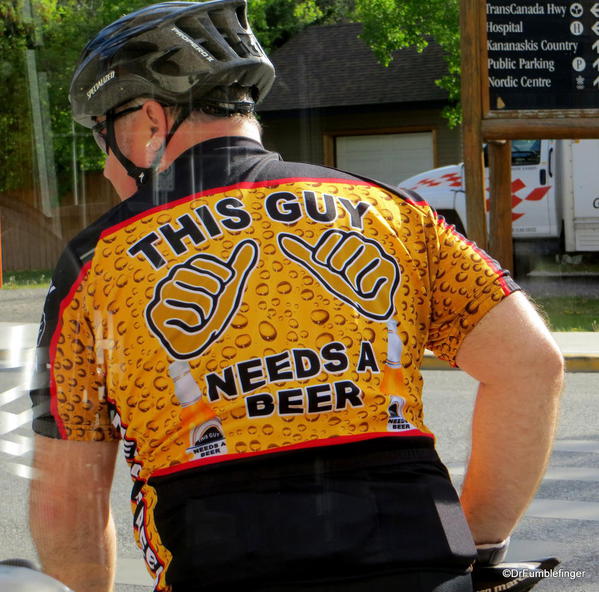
column 543, row 55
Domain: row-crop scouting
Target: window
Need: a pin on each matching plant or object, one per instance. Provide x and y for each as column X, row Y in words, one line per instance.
column 526, row 152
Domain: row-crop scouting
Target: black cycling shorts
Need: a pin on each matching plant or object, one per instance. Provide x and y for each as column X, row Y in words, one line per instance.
column 324, row 516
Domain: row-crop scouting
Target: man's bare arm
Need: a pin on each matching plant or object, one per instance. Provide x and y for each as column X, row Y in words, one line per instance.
column 70, row 518
column 520, row 370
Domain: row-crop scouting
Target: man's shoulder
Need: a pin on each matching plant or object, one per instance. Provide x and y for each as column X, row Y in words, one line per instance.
column 83, row 244
column 299, row 171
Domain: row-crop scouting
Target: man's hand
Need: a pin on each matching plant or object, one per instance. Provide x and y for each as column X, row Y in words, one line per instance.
column 353, row 268
column 195, row 303
column 69, row 512
column 520, row 370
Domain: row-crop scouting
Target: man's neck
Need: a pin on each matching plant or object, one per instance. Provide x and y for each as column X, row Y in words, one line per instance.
column 191, row 133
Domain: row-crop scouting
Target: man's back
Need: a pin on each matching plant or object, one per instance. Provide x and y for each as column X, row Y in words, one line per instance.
column 249, row 307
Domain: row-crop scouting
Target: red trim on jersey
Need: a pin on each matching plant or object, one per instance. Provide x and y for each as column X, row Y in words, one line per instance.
column 310, row 444
column 54, row 344
column 243, row 185
column 410, row 197
column 420, row 204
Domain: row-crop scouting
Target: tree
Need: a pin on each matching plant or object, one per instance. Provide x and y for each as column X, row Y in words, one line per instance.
column 59, row 29
column 389, row 25
column 74, row 23
column 17, row 35
column 275, row 21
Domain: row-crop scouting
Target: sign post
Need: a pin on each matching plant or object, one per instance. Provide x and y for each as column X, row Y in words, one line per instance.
column 471, row 18
column 539, row 69
column 500, row 180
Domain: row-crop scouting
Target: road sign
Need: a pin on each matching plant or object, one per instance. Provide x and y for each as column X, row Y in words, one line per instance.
column 542, row 54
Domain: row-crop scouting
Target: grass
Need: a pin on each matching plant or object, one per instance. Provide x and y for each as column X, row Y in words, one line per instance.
column 564, row 313
column 13, row 280
column 570, row 313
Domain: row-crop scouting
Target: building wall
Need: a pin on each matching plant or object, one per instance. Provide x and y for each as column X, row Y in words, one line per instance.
column 302, row 135
column 29, row 240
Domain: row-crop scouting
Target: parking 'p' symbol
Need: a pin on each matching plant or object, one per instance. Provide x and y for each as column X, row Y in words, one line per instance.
column 579, row 64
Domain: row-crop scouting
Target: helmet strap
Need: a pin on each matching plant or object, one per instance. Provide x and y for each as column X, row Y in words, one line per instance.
column 142, row 175
column 227, row 108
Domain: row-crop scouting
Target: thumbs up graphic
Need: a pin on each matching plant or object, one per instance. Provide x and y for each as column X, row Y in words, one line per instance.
column 195, row 303
column 353, row 268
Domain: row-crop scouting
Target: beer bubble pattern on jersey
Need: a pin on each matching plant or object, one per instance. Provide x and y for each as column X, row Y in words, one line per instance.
column 285, row 316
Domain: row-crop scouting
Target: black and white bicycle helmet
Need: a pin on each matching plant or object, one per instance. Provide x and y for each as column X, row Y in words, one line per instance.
column 175, row 52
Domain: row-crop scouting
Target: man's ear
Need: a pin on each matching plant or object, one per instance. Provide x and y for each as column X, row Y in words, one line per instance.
column 156, row 124
column 157, row 121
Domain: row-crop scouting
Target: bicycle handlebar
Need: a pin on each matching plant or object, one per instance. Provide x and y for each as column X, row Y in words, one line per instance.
column 20, row 575
column 515, row 577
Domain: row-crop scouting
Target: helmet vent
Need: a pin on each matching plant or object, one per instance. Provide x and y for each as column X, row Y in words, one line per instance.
column 228, row 28
column 202, row 32
column 136, row 50
column 242, row 17
column 164, row 65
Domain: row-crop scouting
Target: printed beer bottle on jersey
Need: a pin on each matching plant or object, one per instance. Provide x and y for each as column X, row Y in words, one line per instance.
column 393, row 381
column 206, row 435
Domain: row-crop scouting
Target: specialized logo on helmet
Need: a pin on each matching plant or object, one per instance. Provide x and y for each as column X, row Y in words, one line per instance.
column 98, row 85
column 193, row 44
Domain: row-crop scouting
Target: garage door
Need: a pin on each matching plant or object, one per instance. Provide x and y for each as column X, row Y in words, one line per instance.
column 387, row 157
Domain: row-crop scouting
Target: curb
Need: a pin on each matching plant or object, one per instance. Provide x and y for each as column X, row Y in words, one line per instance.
column 562, row 274
column 574, row 363
column 578, row 363
column 17, row 347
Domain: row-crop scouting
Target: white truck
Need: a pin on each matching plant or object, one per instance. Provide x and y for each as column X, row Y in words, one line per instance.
column 555, row 197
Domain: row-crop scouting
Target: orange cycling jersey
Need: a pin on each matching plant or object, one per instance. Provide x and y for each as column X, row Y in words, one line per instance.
column 243, row 306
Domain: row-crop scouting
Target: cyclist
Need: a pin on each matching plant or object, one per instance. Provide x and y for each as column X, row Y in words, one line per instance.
column 252, row 330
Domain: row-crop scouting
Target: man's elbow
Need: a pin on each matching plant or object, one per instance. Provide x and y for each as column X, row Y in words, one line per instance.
column 556, row 363
column 541, row 364
column 547, row 359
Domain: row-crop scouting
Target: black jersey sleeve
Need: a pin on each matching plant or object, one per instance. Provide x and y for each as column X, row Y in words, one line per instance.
column 64, row 277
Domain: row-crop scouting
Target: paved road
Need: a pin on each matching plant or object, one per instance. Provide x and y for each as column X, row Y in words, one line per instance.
column 562, row 521
column 561, row 286
column 21, row 306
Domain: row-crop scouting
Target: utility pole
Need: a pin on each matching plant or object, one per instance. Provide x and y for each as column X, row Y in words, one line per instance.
column 42, row 131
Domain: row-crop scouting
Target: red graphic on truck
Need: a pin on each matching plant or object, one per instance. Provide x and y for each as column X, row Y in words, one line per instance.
column 451, row 179
column 518, row 185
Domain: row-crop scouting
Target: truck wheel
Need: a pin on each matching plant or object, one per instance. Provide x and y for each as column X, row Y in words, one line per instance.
column 528, row 253
column 523, row 263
